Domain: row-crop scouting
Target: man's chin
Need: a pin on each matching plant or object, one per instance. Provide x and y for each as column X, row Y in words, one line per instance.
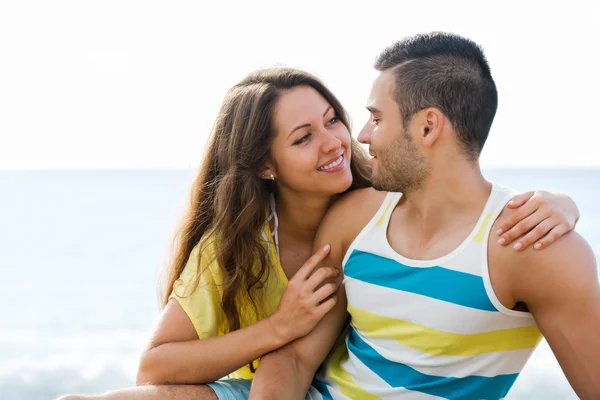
column 381, row 186
column 387, row 185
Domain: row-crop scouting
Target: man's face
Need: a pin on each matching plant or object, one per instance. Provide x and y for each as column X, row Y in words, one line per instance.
column 397, row 162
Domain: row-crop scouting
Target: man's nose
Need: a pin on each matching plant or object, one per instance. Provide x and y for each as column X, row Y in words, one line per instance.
column 365, row 133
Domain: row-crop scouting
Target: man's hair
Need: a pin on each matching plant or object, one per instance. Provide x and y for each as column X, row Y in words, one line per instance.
column 449, row 72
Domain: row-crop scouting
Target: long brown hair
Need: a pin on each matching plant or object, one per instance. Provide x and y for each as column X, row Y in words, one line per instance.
column 229, row 199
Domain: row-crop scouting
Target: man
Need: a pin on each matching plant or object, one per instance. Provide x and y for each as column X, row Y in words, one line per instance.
column 437, row 309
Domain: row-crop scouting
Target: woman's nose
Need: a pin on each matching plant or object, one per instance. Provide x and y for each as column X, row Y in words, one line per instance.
column 331, row 142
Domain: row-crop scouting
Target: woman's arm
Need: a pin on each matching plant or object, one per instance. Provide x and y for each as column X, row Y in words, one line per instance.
column 175, row 355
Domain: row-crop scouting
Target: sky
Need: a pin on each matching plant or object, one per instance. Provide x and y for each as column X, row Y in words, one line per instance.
column 137, row 84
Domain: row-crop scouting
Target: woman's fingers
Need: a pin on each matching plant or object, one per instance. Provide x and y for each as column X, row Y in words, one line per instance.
column 309, row 266
column 552, row 236
column 520, row 199
column 535, row 234
column 519, row 223
column 324, row 292
column 520, row 229
column 325, row 307
column 320, row 276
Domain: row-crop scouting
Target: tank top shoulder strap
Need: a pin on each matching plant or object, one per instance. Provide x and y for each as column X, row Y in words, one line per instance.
column 499, row 196
column 377, row 225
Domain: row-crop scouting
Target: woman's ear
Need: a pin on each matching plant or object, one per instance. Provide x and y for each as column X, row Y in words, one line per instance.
column 267, row 172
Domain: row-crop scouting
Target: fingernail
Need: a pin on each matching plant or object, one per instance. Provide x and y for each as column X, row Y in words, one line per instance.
column 501, row 241
column 499, row 231
column 518, row 246
column 326, row 247
column 537, row 246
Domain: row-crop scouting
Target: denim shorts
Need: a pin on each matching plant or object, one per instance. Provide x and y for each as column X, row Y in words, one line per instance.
column 239, row 389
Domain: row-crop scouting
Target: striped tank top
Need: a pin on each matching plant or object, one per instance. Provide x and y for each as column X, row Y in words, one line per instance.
column 426, row 329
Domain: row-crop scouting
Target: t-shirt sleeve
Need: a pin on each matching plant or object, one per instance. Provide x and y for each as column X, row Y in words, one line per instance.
column 198, row 291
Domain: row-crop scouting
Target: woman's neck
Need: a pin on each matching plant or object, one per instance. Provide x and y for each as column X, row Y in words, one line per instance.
column 300, row 216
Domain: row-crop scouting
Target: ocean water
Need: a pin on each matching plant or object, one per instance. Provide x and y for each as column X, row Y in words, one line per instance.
column 80, row 253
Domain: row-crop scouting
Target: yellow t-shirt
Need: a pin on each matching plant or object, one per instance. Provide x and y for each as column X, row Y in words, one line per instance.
column 200, row 297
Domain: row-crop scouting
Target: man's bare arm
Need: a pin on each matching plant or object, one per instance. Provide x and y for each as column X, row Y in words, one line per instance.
column 560, row 287
column 288, row 372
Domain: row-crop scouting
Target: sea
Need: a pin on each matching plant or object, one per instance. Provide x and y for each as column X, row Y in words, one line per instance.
column 80, row 255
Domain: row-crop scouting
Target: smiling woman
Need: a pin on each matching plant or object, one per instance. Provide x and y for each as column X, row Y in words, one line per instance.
column 279, row 154
column 274, row 130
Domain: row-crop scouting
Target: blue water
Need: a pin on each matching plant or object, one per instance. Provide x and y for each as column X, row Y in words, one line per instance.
column 79, row 259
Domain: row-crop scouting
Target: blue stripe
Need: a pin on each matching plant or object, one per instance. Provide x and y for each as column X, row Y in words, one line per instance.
column 435, row 282
column 322, row 388
column 401, row 375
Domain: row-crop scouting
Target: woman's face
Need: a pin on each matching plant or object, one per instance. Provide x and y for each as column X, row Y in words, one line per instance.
column 311, row 149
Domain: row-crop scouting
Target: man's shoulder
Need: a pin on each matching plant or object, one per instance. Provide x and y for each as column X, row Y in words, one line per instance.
column 533, row 270
column 352, row 212
column 356, row 207
column 356, row 200
column 563, row 249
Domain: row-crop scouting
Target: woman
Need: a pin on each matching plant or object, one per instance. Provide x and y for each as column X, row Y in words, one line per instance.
column 279, row 154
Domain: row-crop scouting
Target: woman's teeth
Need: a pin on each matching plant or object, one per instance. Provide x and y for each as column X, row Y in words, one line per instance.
column 332, row 164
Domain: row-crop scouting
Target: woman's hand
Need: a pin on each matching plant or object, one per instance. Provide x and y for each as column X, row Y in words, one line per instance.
column 541, row 218
column 309, row 296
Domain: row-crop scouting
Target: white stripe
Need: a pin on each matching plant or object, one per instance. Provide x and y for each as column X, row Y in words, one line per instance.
column 489, row 364
column 372, row 383
column 426, row 311
column 468, row 260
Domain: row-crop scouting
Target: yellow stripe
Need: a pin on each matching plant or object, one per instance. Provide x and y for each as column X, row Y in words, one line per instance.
column 343, row 379
column 436, row 342
column 482, row 230
column 387, row 208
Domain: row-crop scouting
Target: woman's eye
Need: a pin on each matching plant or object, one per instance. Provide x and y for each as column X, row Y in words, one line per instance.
column 375, row 121
column 333, row 120
column 302, row 139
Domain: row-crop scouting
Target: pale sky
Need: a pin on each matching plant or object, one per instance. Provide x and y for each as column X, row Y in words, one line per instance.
column 137, row 84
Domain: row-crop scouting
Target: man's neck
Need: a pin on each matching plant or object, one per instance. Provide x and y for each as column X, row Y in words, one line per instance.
column 452, row 193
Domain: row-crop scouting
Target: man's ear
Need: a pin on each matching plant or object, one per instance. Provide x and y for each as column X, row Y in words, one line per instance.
column 432, row 126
